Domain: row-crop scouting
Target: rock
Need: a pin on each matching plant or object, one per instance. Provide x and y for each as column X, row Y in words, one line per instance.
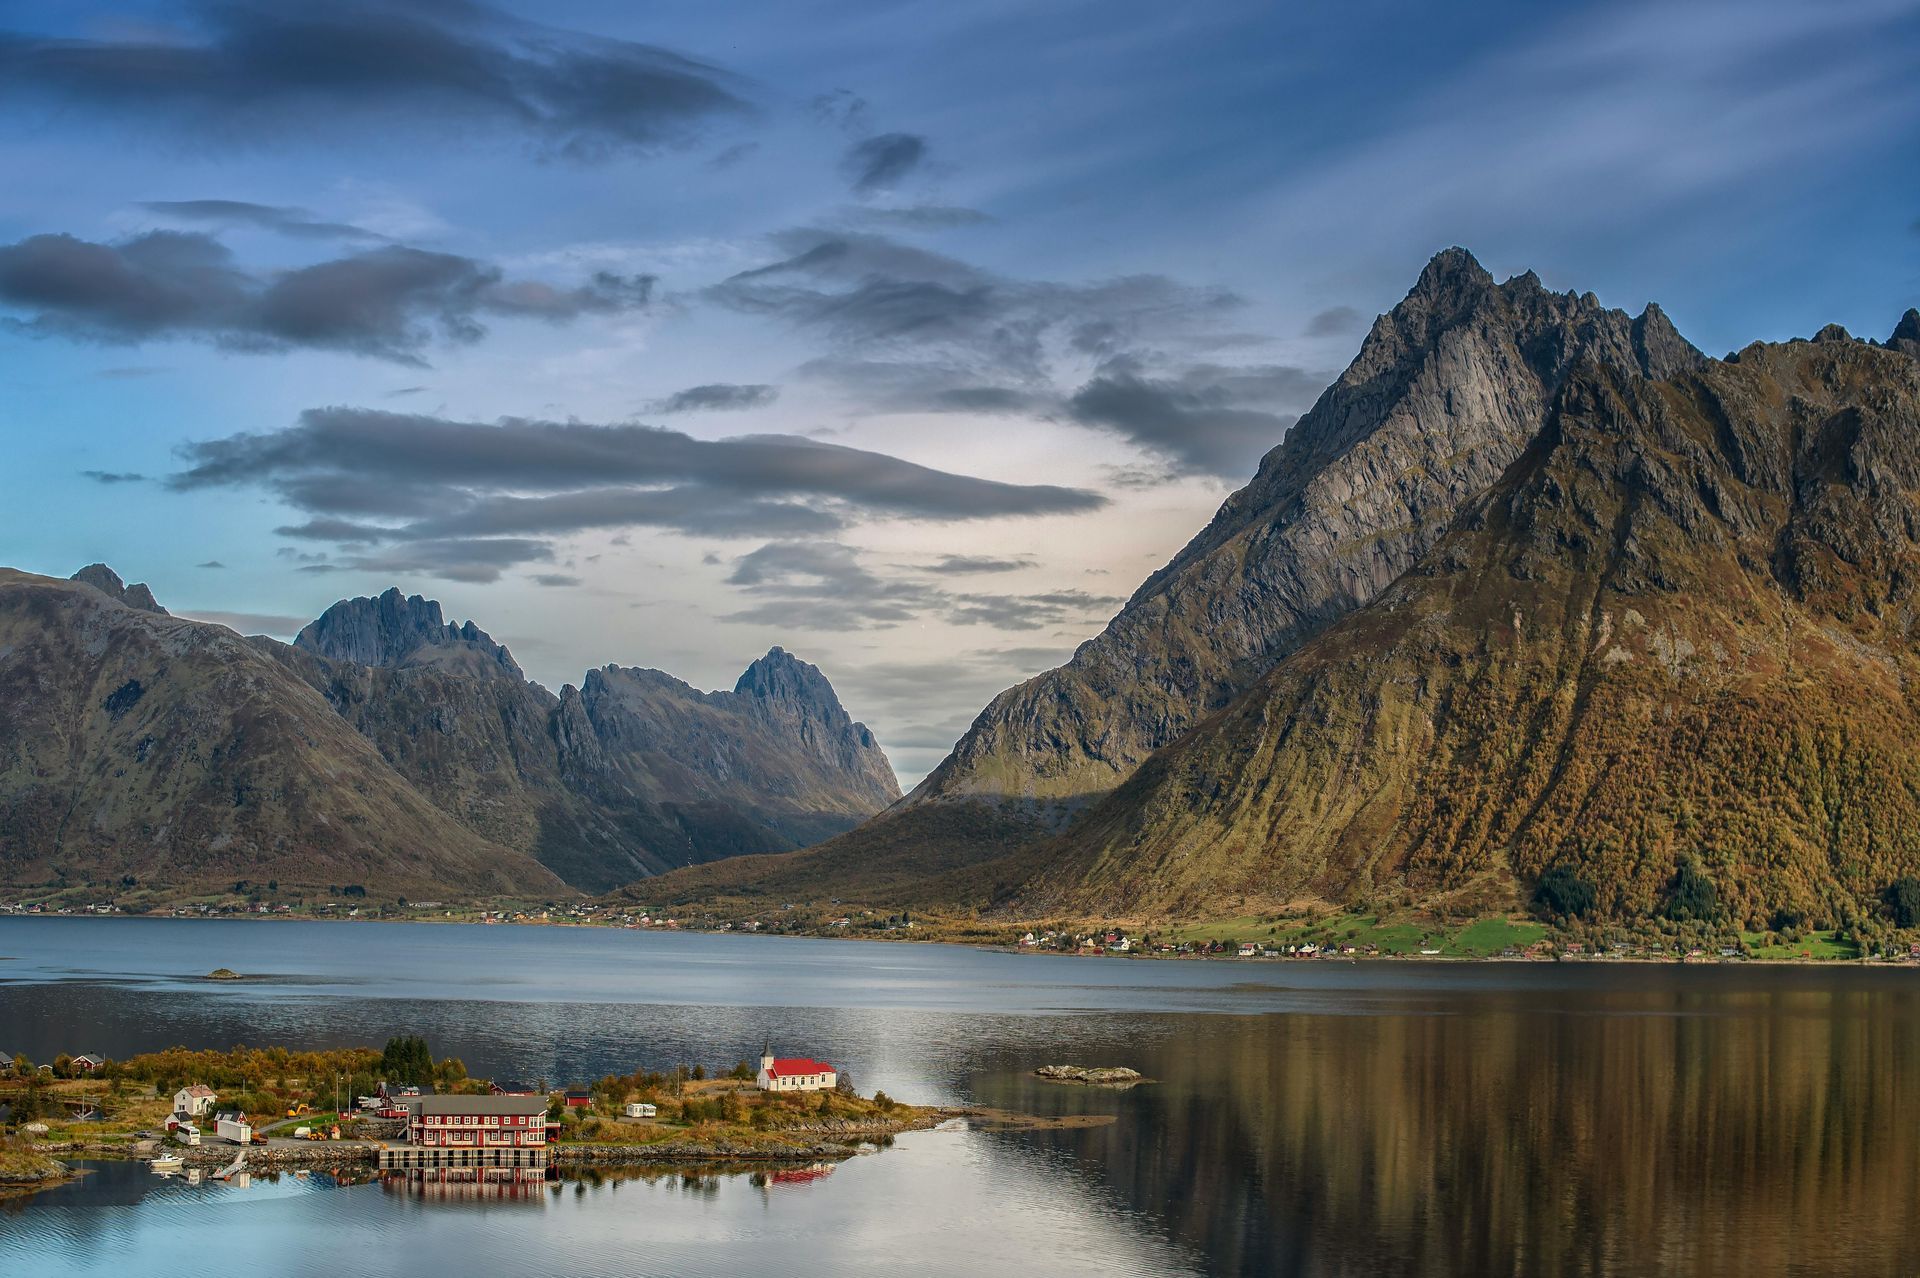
column 223, row 974
column 107, row 582
column 1093, row 1076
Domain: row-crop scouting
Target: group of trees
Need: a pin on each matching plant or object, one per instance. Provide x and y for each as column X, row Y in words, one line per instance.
column 1691, row 896
column 407, row 1060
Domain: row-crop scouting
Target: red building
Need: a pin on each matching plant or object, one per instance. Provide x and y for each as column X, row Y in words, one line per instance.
column 478, row 1122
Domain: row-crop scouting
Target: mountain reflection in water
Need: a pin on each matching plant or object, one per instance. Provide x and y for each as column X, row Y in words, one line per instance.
column 1313, row 1118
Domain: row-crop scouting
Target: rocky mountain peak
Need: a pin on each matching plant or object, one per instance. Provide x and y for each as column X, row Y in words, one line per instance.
column 396, row 630
column 107, row 582
column 781, row 676
column 1906, row 336
column 1454, row 270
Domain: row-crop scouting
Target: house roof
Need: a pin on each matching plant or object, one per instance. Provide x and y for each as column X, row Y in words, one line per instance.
column 485, row 1105
column 799, row 1065
column 198, row 1089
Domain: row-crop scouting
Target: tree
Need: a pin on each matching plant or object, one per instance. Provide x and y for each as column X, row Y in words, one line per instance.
column 1692, row 895
column 1562, row 892
column 1903, row 899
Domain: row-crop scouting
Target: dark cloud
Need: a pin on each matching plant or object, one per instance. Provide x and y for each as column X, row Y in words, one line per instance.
column 405, row 481
column 1334, row 321
column 878, row 163
column 1209, row 419
column 452, row 558
column 430, row 465
column 254, row 68
column 297, row 223
column 962, row 565
column 211, row 563
column 922, row 330
column 114, row 476
column 388, row 302
column 555, row 579
column 716, row 397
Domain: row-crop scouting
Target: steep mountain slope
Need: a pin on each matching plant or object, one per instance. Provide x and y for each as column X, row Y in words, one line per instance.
column 138, row 744
column 1446, row 391
column 632, row 774
column 1681, row 629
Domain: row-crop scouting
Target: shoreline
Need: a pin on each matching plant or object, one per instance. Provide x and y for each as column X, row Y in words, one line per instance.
column 1706, row 960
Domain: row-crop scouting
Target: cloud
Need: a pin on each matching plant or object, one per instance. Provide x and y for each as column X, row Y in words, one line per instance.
column 822, row 585
column 114, row 476
column 1334, row 321
column 879, row 163
column 404, row 481
column 555, row 579
column 962, row 565
column 1208, row 419
column 388, row 303
column 1029, row 612
column 455, row 559
column 916, row 330
column 460, row 69
column 716, row 397
column 966, row 565
column 294, row 222
column 250, row 623
column 211, row 563
column 916, row 217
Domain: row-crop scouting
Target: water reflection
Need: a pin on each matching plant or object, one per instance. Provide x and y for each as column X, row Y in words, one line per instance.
column 1382, row 1120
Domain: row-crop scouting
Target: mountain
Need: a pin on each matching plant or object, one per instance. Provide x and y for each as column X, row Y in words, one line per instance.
column 1447, row 390
column 1675, row 642
column 467, row 775
column 631, row 774
column 143, row 746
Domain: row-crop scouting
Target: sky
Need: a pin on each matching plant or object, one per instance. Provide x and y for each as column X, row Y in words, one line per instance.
column 910, row 337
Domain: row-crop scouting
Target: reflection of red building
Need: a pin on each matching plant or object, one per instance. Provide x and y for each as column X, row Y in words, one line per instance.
column 469, row 1184
column 478, row 1122
column 801, row 1175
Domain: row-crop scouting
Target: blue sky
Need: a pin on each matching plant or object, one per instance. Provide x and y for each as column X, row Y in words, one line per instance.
column 908, row 336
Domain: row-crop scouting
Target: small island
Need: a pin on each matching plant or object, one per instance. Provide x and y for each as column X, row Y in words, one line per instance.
column 352, row 1107
column 223, row 974
column 1092, row 1076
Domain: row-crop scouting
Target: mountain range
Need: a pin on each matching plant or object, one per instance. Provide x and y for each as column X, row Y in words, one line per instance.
column 390, row 750
column 1534, row 586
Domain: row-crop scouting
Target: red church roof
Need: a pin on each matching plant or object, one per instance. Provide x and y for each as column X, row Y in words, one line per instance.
column 799, row 1065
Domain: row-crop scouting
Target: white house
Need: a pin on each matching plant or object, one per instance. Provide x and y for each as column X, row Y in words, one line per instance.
column 795, row 1074
column 640, row 1109
column 195, row 1101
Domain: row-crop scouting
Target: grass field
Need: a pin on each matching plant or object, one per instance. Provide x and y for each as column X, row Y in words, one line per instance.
column 1817, row 945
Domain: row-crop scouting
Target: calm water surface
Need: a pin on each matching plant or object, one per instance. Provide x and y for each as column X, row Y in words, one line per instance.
column 1309, row 1118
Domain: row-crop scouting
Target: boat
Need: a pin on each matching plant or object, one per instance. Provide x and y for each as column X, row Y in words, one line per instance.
column 166, row 1163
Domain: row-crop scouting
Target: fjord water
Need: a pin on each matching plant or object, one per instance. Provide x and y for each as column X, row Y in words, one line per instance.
column 1313, row 1118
